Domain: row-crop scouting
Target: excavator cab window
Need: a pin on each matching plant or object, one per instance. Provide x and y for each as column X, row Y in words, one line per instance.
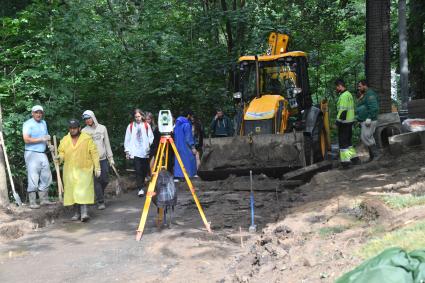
column 276, row 77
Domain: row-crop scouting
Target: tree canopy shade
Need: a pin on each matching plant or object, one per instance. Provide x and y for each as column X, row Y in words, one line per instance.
column 113, row 55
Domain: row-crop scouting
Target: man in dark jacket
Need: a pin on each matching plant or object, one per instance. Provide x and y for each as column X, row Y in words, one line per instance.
column 221, row 125
column 367, row 115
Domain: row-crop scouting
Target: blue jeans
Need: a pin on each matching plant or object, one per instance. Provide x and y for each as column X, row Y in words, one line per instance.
column 101, row 182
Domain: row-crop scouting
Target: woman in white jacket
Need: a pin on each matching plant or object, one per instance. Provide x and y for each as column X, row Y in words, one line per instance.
column 138, row 139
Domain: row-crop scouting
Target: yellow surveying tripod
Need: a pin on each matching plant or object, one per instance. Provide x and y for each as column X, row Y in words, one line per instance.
column 161, row 163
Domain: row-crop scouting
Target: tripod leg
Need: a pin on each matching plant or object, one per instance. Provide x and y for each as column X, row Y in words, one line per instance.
column 191, row 187
column 160, row 217
column 166, row 156
column 149, row 195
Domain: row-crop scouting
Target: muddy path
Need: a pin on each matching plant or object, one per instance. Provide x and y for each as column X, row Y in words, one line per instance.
column 105, row 250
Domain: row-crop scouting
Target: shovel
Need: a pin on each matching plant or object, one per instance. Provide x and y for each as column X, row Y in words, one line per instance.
column 54, row 153
column 15, row 194
column 118, row 189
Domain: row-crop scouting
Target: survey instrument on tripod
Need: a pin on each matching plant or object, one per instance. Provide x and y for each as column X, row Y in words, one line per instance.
column 165, row 125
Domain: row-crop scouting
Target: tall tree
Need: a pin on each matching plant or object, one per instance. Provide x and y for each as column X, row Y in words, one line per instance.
column 378, row 60
column 417, row 47
column 404, row 68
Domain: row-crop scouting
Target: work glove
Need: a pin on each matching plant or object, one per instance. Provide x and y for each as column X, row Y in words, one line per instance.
column 51, row 147
column 111, row 161
column 46, row 138
column 97, row 173
column 194, row 151
column 57, row 159
column 368, row 122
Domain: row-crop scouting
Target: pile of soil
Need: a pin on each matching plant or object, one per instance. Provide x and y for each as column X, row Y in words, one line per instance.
column 18, row 221
column 318, row 239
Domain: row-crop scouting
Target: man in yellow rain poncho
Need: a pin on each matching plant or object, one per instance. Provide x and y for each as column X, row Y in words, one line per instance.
column 79, row 153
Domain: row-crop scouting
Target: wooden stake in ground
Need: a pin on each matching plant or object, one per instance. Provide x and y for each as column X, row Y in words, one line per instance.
column 57, row 168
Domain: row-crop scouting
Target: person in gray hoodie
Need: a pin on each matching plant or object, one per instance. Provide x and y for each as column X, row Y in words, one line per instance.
column 99, row 133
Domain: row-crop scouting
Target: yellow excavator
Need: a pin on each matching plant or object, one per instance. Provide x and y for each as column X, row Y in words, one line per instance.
column 278, row 128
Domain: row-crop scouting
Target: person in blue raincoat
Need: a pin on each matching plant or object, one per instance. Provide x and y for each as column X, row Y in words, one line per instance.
column 185, row 144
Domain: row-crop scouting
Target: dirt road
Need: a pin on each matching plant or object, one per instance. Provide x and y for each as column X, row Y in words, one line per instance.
column 105, row 250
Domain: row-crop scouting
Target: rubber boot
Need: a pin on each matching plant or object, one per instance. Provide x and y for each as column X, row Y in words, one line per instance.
column 44, row 198
column 376, row 152
column 84, row 213
column 345, row 165
column 77, row 214
column 356, row 161
column 371, row 155
column 33, row 200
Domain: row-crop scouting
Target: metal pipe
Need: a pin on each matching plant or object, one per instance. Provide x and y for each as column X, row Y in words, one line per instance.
column 257, row 75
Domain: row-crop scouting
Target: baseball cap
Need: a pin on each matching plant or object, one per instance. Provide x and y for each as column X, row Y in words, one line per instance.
column 86, row 116
column 36, row 108
column 73, row 123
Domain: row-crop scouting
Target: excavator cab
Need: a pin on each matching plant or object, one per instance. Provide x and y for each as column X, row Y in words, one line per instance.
column 277, row 127
column 283, row 91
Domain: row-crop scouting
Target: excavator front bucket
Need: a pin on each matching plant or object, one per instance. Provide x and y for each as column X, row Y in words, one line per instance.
column 272, row 154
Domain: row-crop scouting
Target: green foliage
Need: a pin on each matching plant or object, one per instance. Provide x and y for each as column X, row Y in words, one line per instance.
column 409, row 238
column 403, row 201
column 112, row 56
column 327, row 231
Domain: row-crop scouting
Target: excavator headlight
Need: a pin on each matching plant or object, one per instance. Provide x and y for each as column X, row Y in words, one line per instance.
column 297, row 90
column 237, row 95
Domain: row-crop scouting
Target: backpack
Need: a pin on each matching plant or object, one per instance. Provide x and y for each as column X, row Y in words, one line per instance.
column 146, row 127
column 166, row 191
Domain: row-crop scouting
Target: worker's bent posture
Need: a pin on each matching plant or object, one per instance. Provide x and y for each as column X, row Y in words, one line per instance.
column 367, row 114
column 79, row 153
column 99, row 133
column 345, row 120
column 35, row 136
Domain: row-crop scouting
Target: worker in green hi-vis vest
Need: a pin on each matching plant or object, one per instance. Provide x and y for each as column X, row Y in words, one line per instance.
column 344, row 121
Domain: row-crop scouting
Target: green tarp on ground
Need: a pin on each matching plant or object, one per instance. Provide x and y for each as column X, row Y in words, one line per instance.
column 393, row 265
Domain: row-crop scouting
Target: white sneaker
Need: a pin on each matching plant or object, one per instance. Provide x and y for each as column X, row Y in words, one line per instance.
column 141, row 192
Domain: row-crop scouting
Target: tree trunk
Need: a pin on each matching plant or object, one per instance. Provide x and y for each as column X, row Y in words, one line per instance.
column 4, row 199
column 378, row 61
column 416, row 48
column 404, row 67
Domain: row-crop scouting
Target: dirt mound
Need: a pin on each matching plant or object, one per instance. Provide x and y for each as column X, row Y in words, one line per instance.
column 17, row 221
column 374, row 210
column 317, row 239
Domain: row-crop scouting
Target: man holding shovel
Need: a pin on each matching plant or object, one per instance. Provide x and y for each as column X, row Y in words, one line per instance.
column 99, row 133
column 81, row 159
column 35, row 136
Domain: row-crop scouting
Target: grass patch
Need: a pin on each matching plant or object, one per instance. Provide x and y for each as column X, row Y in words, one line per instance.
column 327, row 231
column 408, row 238
column 403, row 201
